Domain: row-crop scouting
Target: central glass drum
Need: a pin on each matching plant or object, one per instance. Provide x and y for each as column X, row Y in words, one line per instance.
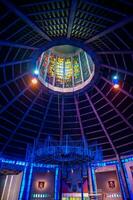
column 65, row 68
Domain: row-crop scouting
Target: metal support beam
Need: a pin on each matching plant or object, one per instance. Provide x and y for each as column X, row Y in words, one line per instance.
column 62, row 119
column 115, row 109
column 117, row 69
column 114, row 52
column 88, row 64
column 15, row 79
column 72, row 72
column 93, row 181
column 46, row 68
column 122, row 180
column 20, row 122
column 71, row 17
column 102, row 125
column 91, row 14
column 13, row 100
column 15, row 62
column 46, row 12
column 38, row 3
column 44, row 118
column 80, row 65
column 82, row 176
column 122, row 90
column 13, row 44
column 103, row 7
column 79, row 118
column 110, row 29
column 14, row 9
column 54, row 77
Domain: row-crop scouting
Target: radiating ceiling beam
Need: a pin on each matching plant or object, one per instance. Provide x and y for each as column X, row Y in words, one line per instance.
column 71, row 17
column 110, row 29
column 79, row 119
column 39, row 3
column 15, row 62
column 13, row 44
column 102, row 125
column 13, row 100
column 122, row 90
column 47, row 12
column 13, row 80
column 20, row 122
column 44, row 118
column 90, row 23
column 14, row 9
column 114, row 108
column 114, row 52
column 62, row 119
column 103, row 7
column 89, row 14
column 117, row 69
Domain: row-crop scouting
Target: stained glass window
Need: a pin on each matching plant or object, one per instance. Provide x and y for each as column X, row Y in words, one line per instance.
column 65, row 68
column 77, row 71
column 68, row 73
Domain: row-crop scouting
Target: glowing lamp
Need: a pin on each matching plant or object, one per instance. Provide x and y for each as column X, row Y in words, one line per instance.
column 115, row 77
column 115, row 80
column 116, row 86
column 34, row 81
column 36, row 72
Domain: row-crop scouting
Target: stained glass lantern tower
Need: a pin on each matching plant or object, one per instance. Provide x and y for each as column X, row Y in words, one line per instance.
column 65, row 68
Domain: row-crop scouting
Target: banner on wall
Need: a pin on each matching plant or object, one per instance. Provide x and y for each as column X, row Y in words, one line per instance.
column 43, row 186
column 108, row 184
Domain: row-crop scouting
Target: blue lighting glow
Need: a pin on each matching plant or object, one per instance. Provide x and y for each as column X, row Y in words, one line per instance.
column 115, row 77
column 22, row 184
column 115, row 80
column 29, row 181
column 94, row 185
column 56, row 183
column 24, row 166
column 42, row 165
column 121, row 181
column 36, row 72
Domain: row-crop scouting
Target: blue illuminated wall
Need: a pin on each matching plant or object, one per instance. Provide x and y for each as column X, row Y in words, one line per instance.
column 36, row 174
column 28, row 169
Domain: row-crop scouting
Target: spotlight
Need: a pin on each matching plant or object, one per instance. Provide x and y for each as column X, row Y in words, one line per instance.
column 72, row 171
column 36, row 72
column 115, row 77
column 34, row 81
column 116, row 86
column 115, row 81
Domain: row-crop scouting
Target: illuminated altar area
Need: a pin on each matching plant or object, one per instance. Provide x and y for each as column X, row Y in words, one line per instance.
column 81, row 176
column 33, row 181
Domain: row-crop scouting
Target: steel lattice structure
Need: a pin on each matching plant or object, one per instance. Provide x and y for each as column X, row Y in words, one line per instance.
column 66, row 152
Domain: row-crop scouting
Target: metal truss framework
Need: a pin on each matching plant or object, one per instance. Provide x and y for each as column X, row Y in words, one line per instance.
column 102, row 125
column 25, row 18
